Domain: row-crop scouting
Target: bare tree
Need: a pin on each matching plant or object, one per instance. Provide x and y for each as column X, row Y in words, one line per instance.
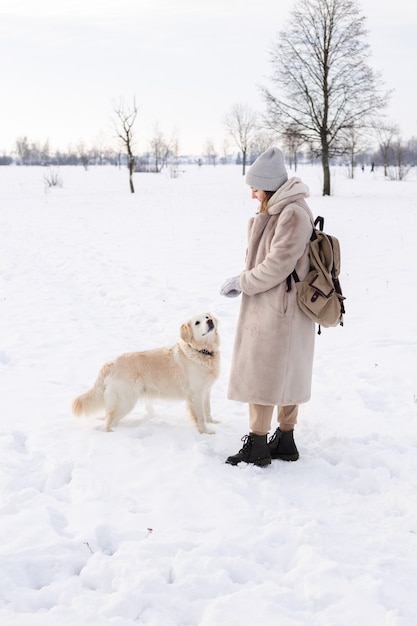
column 210, row 152
column 124, row 122
column 45, row 153
column 355, row 143
column 225, row 148
column 175, row 150
column 323, row 83
column 262, row 140
column 241, row 124
column 23, row 150
column 351, row 150
column 83, row 155
column 293, row 141
column 399, row 169
column 32, row 153
column 99, row 151
column 160, row 148
column 412, row 151
column 386, row 135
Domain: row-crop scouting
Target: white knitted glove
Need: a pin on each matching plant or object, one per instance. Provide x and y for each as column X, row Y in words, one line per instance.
column 231, row 288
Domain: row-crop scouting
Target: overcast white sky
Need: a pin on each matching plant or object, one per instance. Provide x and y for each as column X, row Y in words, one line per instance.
column 65, row 62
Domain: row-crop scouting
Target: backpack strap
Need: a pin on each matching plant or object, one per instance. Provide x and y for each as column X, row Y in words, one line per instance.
column 319, row 220
column 293, row 275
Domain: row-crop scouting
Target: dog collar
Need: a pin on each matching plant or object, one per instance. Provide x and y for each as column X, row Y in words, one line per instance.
column 207, row 352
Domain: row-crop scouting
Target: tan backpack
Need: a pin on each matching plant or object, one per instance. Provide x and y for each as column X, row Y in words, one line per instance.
column 320, row 294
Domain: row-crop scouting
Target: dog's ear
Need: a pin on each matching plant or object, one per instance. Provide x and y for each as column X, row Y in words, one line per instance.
column 185, row 332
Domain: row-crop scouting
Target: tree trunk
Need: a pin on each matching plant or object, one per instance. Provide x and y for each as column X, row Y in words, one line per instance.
column 326, row 168
column 243, row 162
column 132, row 189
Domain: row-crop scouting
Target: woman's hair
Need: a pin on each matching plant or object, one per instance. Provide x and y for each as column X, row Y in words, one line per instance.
column 264, row 203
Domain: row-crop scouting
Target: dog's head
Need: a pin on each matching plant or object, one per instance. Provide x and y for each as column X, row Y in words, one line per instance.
column 201, row 331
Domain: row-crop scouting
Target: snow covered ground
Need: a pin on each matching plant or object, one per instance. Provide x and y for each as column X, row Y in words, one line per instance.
column 147, row 525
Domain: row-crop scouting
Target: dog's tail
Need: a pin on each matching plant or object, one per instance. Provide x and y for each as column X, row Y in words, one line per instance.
column 92, row 400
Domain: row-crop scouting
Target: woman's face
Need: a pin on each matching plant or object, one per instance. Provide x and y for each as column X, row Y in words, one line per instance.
column 257, row 194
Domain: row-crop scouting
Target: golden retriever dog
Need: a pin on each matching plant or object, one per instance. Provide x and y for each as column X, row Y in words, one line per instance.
column 184, row 371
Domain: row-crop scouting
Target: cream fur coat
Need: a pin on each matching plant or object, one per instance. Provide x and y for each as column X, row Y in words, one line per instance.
column 274, row 344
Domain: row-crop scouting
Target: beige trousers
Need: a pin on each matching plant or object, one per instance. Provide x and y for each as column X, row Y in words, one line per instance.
column 260, row 418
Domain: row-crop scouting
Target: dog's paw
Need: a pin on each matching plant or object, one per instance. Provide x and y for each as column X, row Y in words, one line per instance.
column 102, row 428
column 206, row 431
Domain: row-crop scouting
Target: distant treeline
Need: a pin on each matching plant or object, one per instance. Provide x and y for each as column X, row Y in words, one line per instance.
column 396, row 153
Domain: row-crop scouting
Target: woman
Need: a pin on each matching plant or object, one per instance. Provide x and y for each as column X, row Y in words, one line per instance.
column 274, row 344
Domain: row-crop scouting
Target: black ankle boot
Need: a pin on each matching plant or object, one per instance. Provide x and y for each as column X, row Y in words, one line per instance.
column 255, row 450
column 282, row 446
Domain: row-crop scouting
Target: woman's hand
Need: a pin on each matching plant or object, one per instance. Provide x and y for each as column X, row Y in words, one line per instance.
column 231, row 288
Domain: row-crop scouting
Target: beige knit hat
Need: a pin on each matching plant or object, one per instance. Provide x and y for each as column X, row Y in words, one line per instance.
column 268, row 172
